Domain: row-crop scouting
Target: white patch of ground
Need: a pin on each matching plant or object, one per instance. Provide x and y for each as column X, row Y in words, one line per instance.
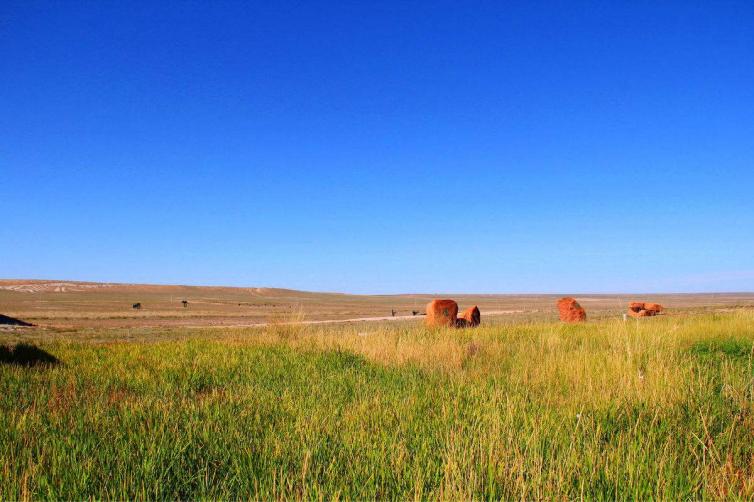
column 51, row 287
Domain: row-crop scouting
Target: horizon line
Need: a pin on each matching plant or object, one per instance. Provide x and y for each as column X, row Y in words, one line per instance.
column 582, row 293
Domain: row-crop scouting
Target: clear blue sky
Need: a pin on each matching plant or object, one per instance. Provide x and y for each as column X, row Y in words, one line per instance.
column 380, row 147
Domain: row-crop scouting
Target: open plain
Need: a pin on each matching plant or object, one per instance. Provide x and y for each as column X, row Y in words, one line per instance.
column 433, row 150
column 239, row 395
column 72, row 304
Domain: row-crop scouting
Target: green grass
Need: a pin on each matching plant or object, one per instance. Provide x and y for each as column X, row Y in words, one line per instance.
column 660, row 408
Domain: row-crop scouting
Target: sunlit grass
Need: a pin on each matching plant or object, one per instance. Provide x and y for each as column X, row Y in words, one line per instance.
column 656, row 408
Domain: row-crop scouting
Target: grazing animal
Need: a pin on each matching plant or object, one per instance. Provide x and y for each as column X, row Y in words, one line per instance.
column 441, row 313
column 570, row 310
column 185, row 303
column 136, row 306
column 472, row 316
column 414, row 312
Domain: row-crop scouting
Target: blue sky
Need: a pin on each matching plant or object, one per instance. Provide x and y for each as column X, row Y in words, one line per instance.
column 378, row 147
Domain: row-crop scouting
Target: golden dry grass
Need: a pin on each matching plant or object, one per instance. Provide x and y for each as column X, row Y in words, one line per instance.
column 659, row 408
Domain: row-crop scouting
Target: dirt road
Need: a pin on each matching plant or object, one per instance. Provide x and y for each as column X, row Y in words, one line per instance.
column 345, row 321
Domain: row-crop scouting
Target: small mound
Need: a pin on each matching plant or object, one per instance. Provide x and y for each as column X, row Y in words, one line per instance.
column 12, row 321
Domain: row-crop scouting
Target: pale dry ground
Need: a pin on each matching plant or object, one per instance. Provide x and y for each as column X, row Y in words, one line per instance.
column 79, row 305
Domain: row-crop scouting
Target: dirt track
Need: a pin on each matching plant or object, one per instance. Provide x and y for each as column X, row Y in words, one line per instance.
column 344, row 321
column 74, row 305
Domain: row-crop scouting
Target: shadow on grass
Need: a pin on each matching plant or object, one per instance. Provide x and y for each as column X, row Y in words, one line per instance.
column 12, row 321
column 24, row 354
column 729, row 347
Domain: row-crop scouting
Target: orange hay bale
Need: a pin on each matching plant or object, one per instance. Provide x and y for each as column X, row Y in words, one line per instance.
column 570, row 310
column 441, row 313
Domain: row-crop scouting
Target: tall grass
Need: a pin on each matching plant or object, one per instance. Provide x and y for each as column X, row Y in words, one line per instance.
column 659, row 408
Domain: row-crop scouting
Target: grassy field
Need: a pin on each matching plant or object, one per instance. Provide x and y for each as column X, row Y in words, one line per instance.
column 658, row 408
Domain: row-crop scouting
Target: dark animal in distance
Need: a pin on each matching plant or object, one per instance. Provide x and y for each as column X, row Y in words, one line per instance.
column 185, row 303
column 136, row 306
